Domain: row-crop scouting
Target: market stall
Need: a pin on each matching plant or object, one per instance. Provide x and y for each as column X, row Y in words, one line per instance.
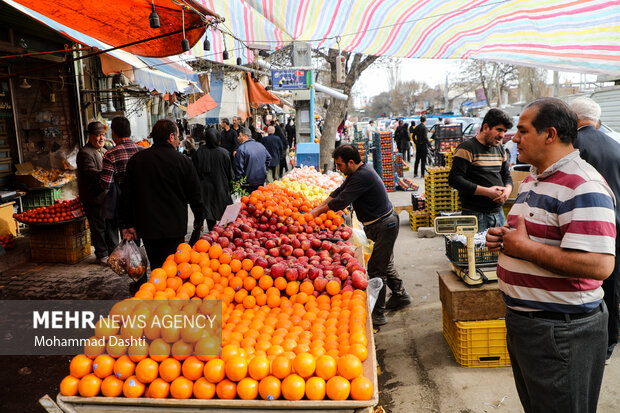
column 295, row 331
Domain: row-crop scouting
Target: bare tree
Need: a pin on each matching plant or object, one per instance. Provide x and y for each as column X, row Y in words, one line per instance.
column 531, row 83
column 494, row 78
column 356, row 64
column 380, row 105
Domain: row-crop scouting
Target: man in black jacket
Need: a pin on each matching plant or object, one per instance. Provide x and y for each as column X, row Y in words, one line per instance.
column 230, row 140
column 420, row 138
column 603, row 153
column 159, row 183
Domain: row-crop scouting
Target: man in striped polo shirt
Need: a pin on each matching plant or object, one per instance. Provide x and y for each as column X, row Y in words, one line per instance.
column 557, row 247
column 480, row 171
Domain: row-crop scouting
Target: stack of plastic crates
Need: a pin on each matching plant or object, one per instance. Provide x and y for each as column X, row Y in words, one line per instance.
column 398, row 163
column 65, row 243
column 36, row 198
column 438, row 192
column 456, row 200
column 449, row 158
column 383, row 159
column 418, row 219
column 418, row 201
column 362, row 148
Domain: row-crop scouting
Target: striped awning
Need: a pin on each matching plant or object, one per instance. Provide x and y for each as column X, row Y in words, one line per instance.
column 568, row 35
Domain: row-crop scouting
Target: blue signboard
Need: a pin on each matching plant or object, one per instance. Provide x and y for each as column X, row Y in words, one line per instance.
column 290, row 79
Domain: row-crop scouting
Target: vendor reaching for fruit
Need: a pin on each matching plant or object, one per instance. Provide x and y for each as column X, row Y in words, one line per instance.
column 364, row 189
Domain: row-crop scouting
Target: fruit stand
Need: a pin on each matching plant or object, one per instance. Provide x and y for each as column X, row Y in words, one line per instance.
column 295, row 325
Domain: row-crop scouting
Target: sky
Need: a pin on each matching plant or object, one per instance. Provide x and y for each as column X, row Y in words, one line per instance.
column 374, row 80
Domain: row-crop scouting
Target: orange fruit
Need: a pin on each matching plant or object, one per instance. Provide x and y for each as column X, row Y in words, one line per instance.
column 349, row 367
column 338, row 388
column 124, row 367
column 112, row 386
column 159, row 350
column 215, row 251
column 181, row 350
column 181, row 388
column 270, row 388
column 103, row 366
column 133, row 387
column 292, row 288
column 226, row 389
column 69, row 386
column 361, row 388
column 293, row 387
column 182, row 256
column 93, row 348
column 80, row 366
column 315, row 388
column 236, row 368
column 257, row 272
column 206, row 348
column 204, row 389
column 359, row 350
column 332, row 287
column 106, row 327
column 259, row 367
column 147, row 370
column 304, row 364
column 89, row 385
column 280, row 283
column 158, row 389
column 192, row 368
column 138, row 351
column 202, row 245
column 169, row 369
column 247, row 389
column 215, row 370
column 281, row 367
column 326, row 367
column 228, row 351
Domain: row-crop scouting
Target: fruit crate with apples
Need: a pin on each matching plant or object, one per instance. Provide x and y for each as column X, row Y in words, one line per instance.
column 476, row 343
column 418, row 219
column 398, row 164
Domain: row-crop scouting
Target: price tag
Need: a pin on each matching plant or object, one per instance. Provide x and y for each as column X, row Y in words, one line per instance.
column 76, row 213
column 230, row 214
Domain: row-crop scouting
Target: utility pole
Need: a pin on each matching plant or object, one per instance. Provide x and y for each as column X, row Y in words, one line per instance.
column 304, row 102
column 556, row 84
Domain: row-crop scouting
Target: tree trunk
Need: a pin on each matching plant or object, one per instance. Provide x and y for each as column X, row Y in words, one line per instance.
column 337, row 108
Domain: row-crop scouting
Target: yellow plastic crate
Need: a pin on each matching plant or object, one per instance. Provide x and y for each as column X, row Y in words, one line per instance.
column 418, row 219
column 477, row 343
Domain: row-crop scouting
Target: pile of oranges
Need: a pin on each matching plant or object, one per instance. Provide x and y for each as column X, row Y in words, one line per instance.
column 285, row 202
column 279, row 339
column 7, row 241
column 59, row 212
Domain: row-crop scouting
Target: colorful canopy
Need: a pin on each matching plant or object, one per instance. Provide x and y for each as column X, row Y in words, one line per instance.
column 569, row 35
column 121, row 22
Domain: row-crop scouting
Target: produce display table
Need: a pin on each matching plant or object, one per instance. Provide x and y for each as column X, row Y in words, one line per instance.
column 76, row 404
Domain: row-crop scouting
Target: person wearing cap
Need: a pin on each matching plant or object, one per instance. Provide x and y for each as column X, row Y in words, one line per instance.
column 103, row 232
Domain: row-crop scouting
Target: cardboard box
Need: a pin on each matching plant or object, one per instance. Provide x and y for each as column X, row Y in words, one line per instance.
column 463, row 303
column 517, row 178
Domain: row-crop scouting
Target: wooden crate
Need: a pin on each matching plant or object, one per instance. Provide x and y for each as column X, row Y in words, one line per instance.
column 463, row 303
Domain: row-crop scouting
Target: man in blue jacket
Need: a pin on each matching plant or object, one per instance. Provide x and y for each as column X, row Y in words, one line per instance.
column 251, row 160
column 273, row 144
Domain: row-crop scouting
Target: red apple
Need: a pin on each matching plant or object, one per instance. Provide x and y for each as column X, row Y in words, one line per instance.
column 319, row 284
column 278, row 270
column 315, row 243
column 286, row 250
column 269, row 244
column 359, row 280
column 310, row 253
column 298, row 252
column 274, row 252
column 341, row 273
column 291, row 274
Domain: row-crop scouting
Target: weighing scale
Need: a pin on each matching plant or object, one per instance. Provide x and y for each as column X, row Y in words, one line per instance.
column 468, row 226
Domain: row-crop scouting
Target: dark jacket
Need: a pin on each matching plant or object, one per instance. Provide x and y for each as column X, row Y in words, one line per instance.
column 273, row 144
column 251, row 161
column 215, row 173
column 420, row 138
column 89, row 162
column 159, row 183
column 229, row 140
column 603, row 153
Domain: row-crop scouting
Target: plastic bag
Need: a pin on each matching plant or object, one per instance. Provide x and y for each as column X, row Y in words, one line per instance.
column 360, row 239
column 128, row 258
column 374, row 288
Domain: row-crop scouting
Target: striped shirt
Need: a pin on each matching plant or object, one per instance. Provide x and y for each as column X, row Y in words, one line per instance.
column 476, row 164
column 115, row 162
column 568, row 205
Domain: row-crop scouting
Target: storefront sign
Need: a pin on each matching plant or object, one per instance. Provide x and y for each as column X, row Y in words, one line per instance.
column 290, row 79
